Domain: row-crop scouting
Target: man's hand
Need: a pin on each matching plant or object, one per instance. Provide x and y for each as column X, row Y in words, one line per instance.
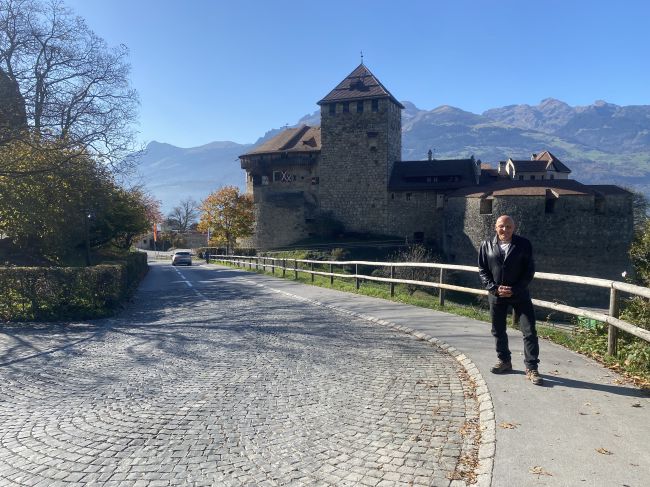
column 504, row 291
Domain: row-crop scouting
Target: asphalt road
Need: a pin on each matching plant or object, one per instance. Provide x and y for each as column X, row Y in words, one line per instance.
column 208, row 378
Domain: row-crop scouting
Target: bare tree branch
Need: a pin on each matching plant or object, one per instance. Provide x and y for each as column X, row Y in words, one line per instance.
column 74, row 87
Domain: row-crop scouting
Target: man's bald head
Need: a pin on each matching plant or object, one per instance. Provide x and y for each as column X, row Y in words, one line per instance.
column 505, row 227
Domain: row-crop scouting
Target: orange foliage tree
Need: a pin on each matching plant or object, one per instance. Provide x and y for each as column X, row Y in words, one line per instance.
column 228, row 215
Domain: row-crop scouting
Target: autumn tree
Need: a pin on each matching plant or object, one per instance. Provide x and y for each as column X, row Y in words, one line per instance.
column 59, row 205
column 183, row 215
column 126, row 214
column 227, row 215
column 74, row 88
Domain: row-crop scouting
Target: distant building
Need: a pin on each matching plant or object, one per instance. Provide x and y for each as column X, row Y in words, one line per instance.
column 539, row 167
column 348, row 174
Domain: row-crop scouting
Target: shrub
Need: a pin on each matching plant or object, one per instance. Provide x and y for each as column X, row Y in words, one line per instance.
column 415, row 254
column 339, row 254
column 51, row 293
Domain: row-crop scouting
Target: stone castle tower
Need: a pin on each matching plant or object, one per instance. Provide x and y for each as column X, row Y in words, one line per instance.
column 361, row 135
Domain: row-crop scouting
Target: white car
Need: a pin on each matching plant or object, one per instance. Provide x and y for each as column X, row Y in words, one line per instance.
column 182, row 257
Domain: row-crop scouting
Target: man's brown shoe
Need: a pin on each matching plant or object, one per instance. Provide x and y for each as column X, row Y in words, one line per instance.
column 534, row 377
column 501, row 367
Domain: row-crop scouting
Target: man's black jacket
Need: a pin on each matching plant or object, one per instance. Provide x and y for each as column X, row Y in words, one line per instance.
column 515, row 270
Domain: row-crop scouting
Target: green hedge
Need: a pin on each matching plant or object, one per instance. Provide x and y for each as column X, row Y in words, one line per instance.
column 52, row 293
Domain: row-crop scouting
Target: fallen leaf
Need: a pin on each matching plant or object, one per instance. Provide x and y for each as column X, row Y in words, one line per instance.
column 537, row 470
column 555, row 372
column 603, row 451
column 508, row 426
column 636, row 405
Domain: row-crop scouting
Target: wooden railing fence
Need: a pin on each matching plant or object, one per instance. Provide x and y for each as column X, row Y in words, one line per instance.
column 309, row 267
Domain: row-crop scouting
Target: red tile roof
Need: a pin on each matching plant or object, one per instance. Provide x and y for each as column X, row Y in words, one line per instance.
column 360, row 84
column 300, row 139
column 551, row 160
column 525, row 188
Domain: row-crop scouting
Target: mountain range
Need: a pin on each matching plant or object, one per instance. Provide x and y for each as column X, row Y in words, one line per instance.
column 602, row 143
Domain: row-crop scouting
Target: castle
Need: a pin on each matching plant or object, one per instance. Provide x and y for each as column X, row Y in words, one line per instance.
column 348, row 174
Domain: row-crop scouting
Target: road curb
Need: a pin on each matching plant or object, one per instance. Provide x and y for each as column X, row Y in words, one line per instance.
column 487, row 423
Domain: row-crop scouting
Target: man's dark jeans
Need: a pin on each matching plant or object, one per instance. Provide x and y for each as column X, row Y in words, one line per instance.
column 524, row 309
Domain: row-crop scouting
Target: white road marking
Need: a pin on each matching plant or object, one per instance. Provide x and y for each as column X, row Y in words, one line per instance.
column 183, row 277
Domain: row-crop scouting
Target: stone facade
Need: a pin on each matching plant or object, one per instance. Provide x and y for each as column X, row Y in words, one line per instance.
column 368, row 142
column 283, row 179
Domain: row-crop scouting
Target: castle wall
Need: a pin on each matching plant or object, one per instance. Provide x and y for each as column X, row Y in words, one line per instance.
column 416, row 212
column 581, row 237
column 358, row 150
column 285, row 194
column 280, row 220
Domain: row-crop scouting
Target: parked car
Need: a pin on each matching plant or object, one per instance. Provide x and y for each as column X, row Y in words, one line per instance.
column 182, row 257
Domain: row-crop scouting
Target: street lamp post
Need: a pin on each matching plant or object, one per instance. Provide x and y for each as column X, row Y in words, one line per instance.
column 87, row 216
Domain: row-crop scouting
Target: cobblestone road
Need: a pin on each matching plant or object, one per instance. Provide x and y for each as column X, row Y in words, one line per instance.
column 227, row 383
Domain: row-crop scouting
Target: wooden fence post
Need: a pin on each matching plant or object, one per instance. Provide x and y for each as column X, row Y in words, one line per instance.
column 295, row 269
column 273, row 265
column 392, row 284
column 331, row 276
column 515, row 319
column 356, row 274
column 441, row 291
column 312, row 271
column 612, row 331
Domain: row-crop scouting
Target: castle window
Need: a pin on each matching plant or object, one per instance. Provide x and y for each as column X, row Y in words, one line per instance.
column 277, row 176
column 314, row 180
column 521, row 178
column 265, row 180
column 332, row 108
column 359, row 107
column 542, row 177
column 552, row 176
column 532, row 177
column 486, row 206
column 392, row 196
column 408, row 196
column 375, row 105
column 346, row 107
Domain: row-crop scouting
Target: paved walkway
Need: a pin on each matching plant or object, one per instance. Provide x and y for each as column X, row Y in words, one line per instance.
column 211, row 380
column 584, row 427
column 236, row 378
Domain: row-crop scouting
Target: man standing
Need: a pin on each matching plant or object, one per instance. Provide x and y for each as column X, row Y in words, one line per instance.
column 506, row 267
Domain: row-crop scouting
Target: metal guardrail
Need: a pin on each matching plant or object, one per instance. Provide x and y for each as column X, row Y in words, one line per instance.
column 611, row 318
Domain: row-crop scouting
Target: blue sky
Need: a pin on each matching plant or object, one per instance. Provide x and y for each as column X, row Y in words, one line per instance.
column 209, row 70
